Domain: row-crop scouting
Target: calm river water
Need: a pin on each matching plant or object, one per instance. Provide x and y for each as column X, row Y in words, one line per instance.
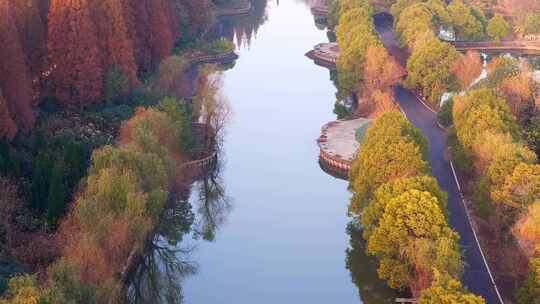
column 270, row 226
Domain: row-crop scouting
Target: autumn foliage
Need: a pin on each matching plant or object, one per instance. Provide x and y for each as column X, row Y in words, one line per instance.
column 15, row 81
column 75, row 62
column 68, row 49
column 113, row 216
column 467, row 68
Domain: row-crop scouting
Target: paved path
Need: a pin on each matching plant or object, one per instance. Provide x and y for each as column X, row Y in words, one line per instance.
column 476, row 277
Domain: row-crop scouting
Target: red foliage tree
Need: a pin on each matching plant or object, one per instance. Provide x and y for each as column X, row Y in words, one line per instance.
column 14, row 77
column 74, row 57
column 161, row 33
column 32, row 32
column 114, row 42
column 137, row 25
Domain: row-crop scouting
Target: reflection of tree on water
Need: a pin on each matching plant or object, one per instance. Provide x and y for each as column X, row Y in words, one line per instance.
column 363, row 268
column 213, row 206
column 159, row 277
column 167, row 262
column 243, row 28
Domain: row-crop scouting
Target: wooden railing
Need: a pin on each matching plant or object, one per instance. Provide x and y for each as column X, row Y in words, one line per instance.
column 225, row 57
column 518, row 45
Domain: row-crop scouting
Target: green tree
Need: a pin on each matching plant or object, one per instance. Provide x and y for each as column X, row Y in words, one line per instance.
column 332, row 19
column 179, row 112
column 532, row 23
column 24, row 289
column 497, row 28
column 521, row 188
column 41, row 172
column 400, row 5
column 501, row 68
column 373, row 212
column 389, row 151
column 56, row 200
column 347, row 5
column 532, row 133
column 468, row 22
column 116, row 86
column 415, row 26
column 430, row 69
column 74, row 162
column 449, row 291
column 480, row 111
column 529, row 293
column 411, row 216
column 354, row 34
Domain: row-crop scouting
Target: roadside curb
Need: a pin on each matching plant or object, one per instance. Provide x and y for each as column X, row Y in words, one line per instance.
column 422, row 102
column 470, row 221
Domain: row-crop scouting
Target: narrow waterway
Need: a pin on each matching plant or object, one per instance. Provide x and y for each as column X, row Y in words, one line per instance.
column 269, row 226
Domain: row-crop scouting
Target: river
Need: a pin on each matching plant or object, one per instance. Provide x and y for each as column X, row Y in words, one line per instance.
column 269, row 226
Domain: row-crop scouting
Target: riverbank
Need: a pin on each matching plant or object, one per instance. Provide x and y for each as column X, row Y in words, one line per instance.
column 339, row 144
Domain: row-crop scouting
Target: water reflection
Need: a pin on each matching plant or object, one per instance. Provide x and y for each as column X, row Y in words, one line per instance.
column 241, row 29
column 167, row 261
column 159, row 277
column 213, row 206
column 363, row 268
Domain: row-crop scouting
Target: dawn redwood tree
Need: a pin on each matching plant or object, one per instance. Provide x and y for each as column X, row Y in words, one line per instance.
column 138, row 30
column 32, row 32
column 162, row 35
column 15, row 81
column 74, row 57
column 114, row 42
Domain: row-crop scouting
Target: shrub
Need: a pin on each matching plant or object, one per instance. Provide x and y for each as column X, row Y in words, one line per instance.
column 445, row 114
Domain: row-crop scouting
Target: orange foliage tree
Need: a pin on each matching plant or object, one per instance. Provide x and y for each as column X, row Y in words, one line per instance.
column 467, row 68
column 74, row 56
column 381, row 71
column 114, row 42
column 161, row 33
column 518, row 93
column 137, row 27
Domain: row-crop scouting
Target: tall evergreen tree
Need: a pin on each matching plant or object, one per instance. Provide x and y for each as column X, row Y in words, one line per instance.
column 41, row 174
column 56, row 200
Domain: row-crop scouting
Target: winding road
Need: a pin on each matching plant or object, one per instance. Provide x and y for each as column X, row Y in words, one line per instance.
column 477, row 277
